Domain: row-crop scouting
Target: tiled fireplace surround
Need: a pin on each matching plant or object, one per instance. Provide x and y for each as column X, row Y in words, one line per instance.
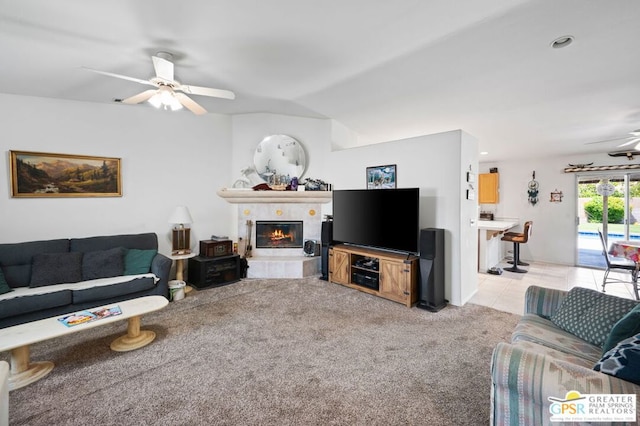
column 279, row 206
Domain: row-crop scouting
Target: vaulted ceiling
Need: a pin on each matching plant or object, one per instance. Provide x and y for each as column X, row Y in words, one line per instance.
column 386, row 70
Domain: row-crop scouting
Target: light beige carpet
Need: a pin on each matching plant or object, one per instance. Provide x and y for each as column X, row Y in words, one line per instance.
column 274, row 352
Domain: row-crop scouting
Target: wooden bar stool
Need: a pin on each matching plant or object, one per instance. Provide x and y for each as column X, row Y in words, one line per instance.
column 518, row 238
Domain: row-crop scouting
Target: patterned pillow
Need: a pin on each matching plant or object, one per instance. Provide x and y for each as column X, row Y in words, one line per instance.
column 590, row 315
column 629, row 325
column 623, row 361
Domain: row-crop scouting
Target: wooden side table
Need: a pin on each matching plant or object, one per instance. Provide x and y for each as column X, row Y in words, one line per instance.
column 180, row 258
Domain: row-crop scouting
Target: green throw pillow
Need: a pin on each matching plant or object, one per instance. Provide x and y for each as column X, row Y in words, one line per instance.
column 4, row 285
column 628, row 326
column 138, row 261
column 590, row 315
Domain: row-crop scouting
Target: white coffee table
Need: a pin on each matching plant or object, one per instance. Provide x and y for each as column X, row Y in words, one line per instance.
column 18, row 338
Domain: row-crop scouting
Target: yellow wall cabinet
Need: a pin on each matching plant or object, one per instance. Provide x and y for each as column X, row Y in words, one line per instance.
column 488, row 188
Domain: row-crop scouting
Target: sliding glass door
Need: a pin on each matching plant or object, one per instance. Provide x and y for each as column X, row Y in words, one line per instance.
column 609, row 203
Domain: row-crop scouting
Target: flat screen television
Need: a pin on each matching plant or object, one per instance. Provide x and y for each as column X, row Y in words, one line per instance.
column 381, row 218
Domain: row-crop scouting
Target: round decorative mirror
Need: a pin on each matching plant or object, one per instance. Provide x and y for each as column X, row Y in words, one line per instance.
column 280, row 156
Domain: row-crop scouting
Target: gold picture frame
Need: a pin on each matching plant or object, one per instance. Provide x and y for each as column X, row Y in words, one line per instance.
column 48, row 175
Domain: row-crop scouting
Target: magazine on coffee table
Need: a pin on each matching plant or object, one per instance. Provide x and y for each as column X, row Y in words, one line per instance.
column 89, row 315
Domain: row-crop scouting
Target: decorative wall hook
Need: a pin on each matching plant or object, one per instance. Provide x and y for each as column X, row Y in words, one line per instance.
column 533, row 190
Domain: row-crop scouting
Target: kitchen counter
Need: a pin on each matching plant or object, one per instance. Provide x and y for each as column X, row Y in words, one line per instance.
column 497, row 225
column 489, row 244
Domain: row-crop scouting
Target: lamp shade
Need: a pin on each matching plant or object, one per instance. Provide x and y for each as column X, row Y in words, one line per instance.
column 180, row 216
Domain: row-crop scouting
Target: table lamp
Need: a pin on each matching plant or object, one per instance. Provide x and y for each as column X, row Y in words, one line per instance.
column 180, row 236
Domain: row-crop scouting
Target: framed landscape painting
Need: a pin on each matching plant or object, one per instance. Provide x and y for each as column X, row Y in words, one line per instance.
column 46, row 175
column 381, row 177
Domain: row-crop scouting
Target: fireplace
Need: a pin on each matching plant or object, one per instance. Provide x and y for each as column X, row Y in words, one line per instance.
column 279, row 234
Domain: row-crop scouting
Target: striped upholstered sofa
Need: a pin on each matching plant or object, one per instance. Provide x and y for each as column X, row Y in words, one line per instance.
column 544, row 360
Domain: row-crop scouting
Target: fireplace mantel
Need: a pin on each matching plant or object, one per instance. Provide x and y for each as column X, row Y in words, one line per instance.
column 248, row 196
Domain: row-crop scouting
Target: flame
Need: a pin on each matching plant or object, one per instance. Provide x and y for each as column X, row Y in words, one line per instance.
column 279, row 235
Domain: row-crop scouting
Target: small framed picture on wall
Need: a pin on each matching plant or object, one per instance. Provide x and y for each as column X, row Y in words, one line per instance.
column 381, row 177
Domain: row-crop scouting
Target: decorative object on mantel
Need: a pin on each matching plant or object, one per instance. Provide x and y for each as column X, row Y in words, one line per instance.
column 533, row 190
column 249, row 178
column 589, row 168
column 381, row 177
column 316, row 185
column 556, row 196
column 181, row 239
column 262, row 187
column 277, row 187
column 46, row 175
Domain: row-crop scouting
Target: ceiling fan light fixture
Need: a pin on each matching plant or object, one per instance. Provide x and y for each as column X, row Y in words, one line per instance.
column 165, row 99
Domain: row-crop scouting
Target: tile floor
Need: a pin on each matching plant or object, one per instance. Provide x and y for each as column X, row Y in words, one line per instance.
column 506, row 292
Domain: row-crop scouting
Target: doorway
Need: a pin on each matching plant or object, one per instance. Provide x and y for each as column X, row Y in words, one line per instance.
column 610, row 203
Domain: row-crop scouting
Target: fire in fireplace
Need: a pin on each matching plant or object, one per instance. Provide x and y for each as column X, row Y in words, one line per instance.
column 279, row 234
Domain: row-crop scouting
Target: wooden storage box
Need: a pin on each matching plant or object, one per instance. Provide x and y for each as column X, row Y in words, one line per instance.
column 216, row 248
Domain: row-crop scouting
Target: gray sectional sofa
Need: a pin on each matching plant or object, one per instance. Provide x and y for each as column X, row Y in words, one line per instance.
column 41, row 279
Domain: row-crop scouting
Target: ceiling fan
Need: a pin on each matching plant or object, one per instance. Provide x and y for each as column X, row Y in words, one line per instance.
column 168, row 93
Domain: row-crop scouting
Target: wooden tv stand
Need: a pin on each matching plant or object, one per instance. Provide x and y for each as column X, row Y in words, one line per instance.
column 393, row 276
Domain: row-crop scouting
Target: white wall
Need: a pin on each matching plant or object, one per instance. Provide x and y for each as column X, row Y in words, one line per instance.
column 179, row 158
column 436, row 164
column 554, row 237
column 468, row 249
column 250, row 129
column 167, row 159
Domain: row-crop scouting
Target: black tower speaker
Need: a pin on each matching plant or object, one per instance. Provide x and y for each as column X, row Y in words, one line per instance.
column 326, row 238
column 431, row 289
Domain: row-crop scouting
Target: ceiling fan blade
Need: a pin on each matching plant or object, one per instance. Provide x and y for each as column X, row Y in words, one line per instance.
column 190, row 104
column 607, row 140
column 629, row 142
column 124, row 77
column 206, row 91
column 164, row 68
column 140, row 97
